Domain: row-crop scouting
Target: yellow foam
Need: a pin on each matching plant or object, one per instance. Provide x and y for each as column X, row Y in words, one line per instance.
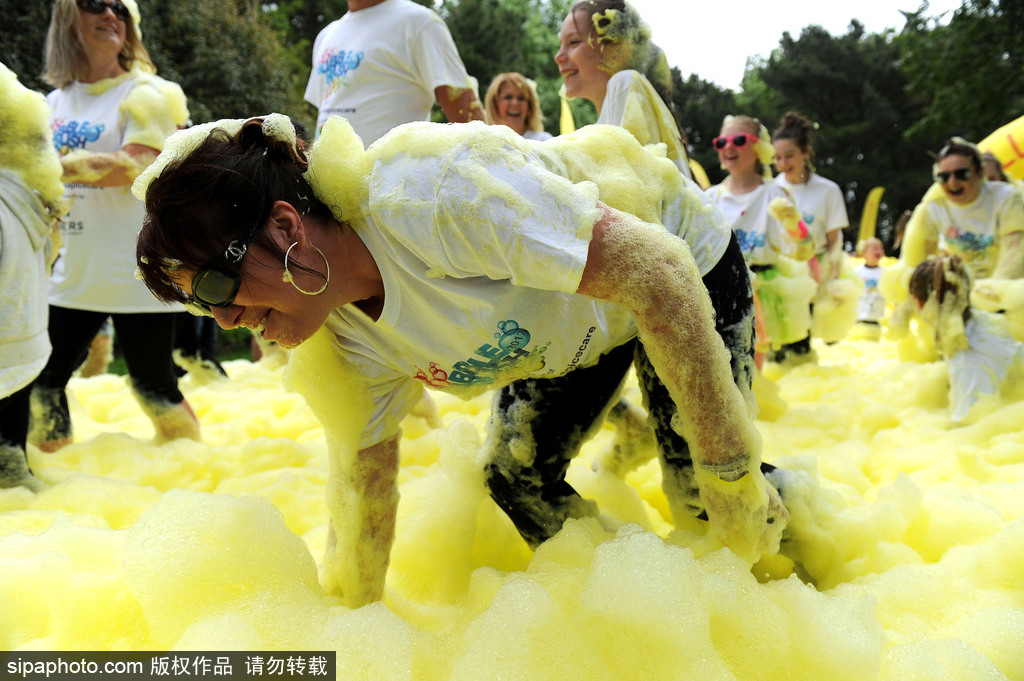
column 909, row 535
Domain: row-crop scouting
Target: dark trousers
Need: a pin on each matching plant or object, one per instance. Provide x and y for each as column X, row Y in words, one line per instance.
column 537, row 426
column 14, row 411
column 145, row 341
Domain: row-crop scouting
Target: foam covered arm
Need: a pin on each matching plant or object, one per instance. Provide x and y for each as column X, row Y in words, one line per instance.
column 786, row 213
column 108, row 170
column 651, row 272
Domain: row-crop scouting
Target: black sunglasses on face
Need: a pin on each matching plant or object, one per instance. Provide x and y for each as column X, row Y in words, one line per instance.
column 962, row 174
column 216, row 283
column 101, row 6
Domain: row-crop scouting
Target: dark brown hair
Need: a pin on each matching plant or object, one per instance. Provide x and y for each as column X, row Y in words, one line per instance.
column 956, row 146
column 795, row 127
column 942, row 277
column 200, row 203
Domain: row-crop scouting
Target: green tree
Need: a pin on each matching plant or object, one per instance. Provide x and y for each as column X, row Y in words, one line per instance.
column 497, row 36
column 225, row 56
column 223, row 53
column 971, row 70
column 21, row 41
column 700, row 106
column 853, row 88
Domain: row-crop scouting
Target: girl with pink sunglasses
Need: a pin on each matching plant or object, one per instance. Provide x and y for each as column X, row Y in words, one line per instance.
column 771, row 234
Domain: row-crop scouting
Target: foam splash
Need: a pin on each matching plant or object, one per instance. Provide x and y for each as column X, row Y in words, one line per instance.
column 914, row 544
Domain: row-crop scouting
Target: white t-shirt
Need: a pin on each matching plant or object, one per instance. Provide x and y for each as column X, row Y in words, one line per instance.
column 96, row 267
column 24, row 231
column 871, row 306
column 537, row 135
column 378, row 67
column 973, row 231
column 820, row 202
column 981, row 368
column 481, row 249
column 762, row 238
column 631, row 102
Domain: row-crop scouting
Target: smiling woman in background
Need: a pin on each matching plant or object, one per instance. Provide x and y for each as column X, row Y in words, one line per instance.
column 606, row 56
column 982, row 222
column 512, row 100
column 110, row 115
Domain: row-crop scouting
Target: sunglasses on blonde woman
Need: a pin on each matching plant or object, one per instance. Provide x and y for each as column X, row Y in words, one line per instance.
column 101, row 6
column 738, row 141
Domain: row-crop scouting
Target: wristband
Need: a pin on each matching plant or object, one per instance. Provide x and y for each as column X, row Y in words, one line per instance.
column 730, row 471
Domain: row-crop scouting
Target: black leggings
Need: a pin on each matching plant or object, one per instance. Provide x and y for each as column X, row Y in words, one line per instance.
column 145, row 340
column 537, row 426
column 14, row 410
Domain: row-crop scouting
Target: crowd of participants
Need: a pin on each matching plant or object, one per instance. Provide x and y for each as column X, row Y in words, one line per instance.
column 749, row 271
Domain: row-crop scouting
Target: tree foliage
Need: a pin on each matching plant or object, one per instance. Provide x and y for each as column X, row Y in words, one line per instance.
column 971, row 70
column 851, row 86
column 225, row 56
column 497, row 36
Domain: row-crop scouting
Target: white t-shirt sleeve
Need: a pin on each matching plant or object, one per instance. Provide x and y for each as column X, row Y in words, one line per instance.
column 315, row 85
column 1011, row 214
column 435, row 57
column 835, row 208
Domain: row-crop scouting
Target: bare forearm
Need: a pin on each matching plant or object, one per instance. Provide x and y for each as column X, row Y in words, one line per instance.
column 460, row 105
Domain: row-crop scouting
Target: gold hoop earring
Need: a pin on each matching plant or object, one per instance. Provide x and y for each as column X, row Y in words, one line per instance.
column 291, row 279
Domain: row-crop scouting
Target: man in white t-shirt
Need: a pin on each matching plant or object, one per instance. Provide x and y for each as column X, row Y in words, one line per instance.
column 384, row 63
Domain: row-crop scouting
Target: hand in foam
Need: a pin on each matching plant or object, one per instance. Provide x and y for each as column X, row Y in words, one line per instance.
column 745, row 514
column 785, row 212
column 998, row 295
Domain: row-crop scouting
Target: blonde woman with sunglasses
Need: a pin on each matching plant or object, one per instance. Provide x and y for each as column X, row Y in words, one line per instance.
column 769, row 230
column 110, row 115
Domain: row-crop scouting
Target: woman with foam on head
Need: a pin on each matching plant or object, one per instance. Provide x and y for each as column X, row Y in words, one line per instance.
column 110, row 115
column 467, row 259
column 770, row 233
column 512, row 100
column 606, row 56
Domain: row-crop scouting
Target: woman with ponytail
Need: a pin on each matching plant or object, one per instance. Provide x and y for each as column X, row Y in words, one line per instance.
column 821, row 205
column 982, row 355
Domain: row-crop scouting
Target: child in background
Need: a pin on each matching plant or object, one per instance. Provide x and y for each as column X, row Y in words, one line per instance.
column 977, row 345
column 871, row 307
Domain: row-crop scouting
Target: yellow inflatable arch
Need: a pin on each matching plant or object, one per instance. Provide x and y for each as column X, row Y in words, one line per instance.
column 1007, row 144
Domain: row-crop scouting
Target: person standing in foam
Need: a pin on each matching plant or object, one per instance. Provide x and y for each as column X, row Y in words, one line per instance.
column 823, row 210
column 453, row 257
column 768, row 227
column 872, row 305
column 110, row 115
column 31, row 202
column 384, row 63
